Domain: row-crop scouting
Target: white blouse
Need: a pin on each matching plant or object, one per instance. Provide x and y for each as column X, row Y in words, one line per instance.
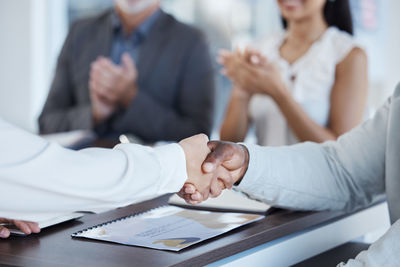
column 310, row 80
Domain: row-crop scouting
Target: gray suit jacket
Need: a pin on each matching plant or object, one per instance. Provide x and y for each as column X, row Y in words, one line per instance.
column 176, row 86
column 347, row 174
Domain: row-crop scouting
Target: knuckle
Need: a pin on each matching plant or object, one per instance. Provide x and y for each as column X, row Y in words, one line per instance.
column 203, row 137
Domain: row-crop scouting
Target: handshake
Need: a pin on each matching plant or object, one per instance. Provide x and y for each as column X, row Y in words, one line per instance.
column 212, row 166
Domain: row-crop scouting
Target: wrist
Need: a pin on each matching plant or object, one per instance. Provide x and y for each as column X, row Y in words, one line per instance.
column 281, row 94
column 96, row 117
column 129, row 96
column 241, row 94
column 246, row 156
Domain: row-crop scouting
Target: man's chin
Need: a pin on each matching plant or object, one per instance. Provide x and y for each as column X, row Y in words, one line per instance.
column 136, row 7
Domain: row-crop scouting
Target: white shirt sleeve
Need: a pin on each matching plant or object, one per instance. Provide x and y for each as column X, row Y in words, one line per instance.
column 384, row 252
column 38, row 177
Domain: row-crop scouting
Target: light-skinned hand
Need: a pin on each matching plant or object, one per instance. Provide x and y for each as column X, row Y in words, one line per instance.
column 101, row 109
column 250, row 71
column 116, row 84
column 233, row 157
column 254, row 57
column 206, row 184
column 24, row 226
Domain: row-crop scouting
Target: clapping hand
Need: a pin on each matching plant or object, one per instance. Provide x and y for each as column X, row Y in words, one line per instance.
column 112, row 86
column 24, row 226
column 232, row 158
column 252, row 72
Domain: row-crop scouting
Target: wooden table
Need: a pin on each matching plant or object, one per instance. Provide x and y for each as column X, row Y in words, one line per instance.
column 55, row 247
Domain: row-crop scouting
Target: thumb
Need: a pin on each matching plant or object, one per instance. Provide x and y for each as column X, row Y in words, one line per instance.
column 225, row 178
column 127, row 62
column 4, row 232
column 217, row 156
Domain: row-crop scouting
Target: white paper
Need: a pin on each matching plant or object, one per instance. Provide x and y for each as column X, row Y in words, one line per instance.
column 228, row 200
column 169, row 228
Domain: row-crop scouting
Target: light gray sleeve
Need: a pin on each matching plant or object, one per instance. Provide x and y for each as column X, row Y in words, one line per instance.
column 384, row 252
column 345, row 174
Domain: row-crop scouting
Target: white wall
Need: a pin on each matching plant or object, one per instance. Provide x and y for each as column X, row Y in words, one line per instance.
column 16, row 62
column 384, row 55
column 392, row 46
column 27, row 52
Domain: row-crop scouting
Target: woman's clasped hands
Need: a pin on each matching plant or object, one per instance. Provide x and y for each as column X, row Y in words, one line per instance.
column 252, row 73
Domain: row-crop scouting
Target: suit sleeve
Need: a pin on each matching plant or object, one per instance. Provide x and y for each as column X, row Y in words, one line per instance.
column 193, row 113
column 38, row 177
column 60, row 112
column 346, row 174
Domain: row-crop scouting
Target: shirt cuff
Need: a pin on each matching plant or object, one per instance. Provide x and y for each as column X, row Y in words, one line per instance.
column 173, row 167
column 253, row 170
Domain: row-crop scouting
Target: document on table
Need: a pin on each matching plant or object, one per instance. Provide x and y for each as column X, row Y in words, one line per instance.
column 229, row 200
column 168, row 227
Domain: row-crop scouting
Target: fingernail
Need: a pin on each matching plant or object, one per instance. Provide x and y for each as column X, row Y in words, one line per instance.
column 208, row 167
column 189, row 190
column 196, row 197
column 3, row 233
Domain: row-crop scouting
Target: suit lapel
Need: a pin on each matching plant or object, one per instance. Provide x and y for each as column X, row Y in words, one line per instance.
column 104, row 37
column 99, row 44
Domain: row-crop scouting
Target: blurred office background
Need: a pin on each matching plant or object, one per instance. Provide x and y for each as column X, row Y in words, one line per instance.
column 33, row 31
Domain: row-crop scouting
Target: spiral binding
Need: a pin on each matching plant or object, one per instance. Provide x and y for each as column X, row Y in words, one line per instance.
column 76, row 234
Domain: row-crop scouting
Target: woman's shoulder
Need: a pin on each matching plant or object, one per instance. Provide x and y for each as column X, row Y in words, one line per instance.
column 338, row 35
column 341, row 43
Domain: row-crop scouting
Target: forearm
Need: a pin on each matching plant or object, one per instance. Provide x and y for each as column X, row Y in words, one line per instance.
column 295, row 177
column 49, row 178
column 304, row 127
column 345, row 174
column 236, row 122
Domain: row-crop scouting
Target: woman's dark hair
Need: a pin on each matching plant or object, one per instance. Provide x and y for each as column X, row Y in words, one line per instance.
column 336, row 13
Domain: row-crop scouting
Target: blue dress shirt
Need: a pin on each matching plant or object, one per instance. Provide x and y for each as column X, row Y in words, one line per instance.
column 131, row 43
